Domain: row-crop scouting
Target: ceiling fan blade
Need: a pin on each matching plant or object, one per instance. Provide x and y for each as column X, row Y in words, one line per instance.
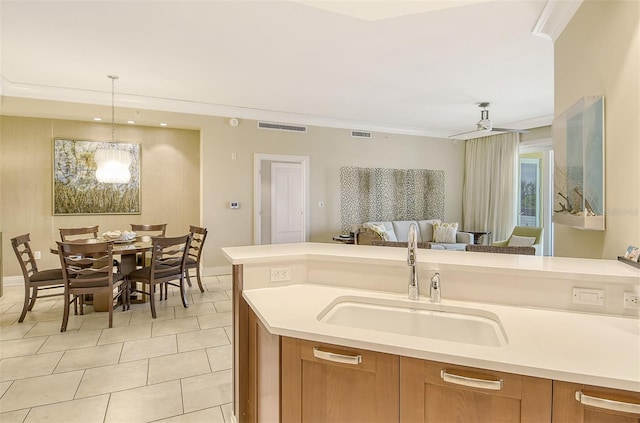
column 477, row 132
column 520, row 131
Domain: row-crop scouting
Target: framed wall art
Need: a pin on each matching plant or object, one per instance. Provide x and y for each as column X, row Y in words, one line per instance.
column 578, row 143
column 76, row 190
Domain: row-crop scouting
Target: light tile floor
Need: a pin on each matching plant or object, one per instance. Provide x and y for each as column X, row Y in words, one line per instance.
column 176, row 368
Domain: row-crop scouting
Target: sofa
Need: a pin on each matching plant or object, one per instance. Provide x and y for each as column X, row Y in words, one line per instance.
column 398, row 231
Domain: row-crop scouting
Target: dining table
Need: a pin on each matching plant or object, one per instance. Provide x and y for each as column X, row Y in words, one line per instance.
column 128, row 252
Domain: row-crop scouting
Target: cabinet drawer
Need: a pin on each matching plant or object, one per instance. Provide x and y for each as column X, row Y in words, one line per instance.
column 329, row 383
column 486, row 381
column 439, row 392
column 573, row 402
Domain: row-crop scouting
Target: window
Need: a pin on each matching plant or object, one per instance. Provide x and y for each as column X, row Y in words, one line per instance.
column 529, row 198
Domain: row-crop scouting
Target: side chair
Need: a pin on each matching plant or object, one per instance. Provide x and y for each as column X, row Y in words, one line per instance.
column 168, row 258
column 150, row 230
column 144, row 230
column 88, row 269
column 198, row 236
column 70, row 234
column 34, row 279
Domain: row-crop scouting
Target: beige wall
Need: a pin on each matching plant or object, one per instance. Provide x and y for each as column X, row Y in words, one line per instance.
column 170, row 181
column 599, row 54
column 222, row 178
column 328, row 149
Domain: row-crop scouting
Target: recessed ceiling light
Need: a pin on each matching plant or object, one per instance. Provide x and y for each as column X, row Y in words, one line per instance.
column 97, row 119
column 163, row 124
column 131, row 121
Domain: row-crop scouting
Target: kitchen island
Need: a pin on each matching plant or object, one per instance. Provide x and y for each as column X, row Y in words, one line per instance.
column 281, row 293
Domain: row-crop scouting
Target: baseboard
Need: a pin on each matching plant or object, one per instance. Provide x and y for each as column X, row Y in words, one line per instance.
column 216, row 270
column 12, row 281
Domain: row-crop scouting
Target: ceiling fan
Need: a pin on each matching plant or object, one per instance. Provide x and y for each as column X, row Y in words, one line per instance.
column 484, row 126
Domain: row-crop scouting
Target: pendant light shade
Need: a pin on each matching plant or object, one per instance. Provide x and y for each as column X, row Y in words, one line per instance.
column 113, row 164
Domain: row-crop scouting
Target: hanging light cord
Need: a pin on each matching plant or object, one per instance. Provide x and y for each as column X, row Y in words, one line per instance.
column 113, row 106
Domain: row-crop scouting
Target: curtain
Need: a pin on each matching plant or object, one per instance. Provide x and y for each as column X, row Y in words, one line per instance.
column 378, row 194
column 490, row 189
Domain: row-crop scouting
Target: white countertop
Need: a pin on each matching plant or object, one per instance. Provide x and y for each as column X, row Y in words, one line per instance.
column 585, row 269
column 569, row 346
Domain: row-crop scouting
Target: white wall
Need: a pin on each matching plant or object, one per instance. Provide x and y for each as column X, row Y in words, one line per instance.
column 599, row 54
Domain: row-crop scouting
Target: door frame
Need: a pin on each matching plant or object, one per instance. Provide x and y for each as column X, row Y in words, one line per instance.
column 305, row 161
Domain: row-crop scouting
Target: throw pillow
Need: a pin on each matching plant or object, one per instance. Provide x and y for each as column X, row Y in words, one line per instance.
column 379, row 229
column 445, row 232
column 521, row 241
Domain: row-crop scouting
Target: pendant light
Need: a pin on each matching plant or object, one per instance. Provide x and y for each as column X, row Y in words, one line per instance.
column 113, row 164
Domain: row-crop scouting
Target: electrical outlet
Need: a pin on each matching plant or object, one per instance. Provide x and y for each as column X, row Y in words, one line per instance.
column 631, row 300
column 280, row 274
column 37, row 255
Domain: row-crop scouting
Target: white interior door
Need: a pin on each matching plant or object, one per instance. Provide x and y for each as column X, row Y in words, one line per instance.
column 287, row 203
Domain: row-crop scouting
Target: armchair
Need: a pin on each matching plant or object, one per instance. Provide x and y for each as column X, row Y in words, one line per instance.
column 524, row 231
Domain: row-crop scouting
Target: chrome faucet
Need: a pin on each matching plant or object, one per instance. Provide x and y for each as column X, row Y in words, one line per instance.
column 434, row 288
column 412, row 246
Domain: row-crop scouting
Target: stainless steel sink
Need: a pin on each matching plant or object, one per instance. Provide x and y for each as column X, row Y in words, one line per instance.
column 421, row 319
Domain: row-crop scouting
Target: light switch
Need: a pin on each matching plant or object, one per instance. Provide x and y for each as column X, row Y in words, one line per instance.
column 588, row 296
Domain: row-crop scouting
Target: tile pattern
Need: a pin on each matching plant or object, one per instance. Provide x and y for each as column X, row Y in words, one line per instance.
column 173, row 369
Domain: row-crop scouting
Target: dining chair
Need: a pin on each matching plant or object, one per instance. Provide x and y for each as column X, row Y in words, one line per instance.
column 150, row 230
column 144, row 230
column 87, row 268
column 69, row 234
column 198, row 236
column 168, row 258
column 34, row 280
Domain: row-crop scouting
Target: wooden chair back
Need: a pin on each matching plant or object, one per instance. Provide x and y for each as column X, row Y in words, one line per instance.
column 70, row 234
column 151, row 230
column 168, row 258
column 34, row 279
column 23, row 251
column 198, row 236
column 87, row 268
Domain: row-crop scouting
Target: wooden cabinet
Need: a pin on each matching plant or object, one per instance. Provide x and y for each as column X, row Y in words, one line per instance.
column 440, row 392
column 328, row 383
column 576, row 403
column 263, row 402
column 292, row 380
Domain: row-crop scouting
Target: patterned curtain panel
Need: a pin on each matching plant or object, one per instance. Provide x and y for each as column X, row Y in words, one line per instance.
column 377, row 194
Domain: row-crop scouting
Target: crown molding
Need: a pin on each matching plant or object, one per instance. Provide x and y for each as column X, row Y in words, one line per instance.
column 555, row 17
column 103, row 98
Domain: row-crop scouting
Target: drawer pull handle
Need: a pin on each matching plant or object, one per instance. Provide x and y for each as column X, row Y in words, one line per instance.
column 625, row 407
column 338, row 358
column 494, row 385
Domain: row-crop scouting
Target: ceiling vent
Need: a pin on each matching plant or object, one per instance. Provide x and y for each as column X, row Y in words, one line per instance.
column 361, row 134
column 282, row 127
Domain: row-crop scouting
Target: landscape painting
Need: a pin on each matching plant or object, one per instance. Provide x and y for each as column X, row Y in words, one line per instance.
column 75, row 187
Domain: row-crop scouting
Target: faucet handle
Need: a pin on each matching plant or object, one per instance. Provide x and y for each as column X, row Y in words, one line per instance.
column 435, row 280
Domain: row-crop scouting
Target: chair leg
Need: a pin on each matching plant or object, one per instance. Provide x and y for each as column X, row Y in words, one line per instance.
column 188, row 278
column 166, row 291
column 65, row 315
column 25, row 306
column 111, row 309
column 34, row 296
column 198, row 278
column 152, row 301
column 183, row 292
